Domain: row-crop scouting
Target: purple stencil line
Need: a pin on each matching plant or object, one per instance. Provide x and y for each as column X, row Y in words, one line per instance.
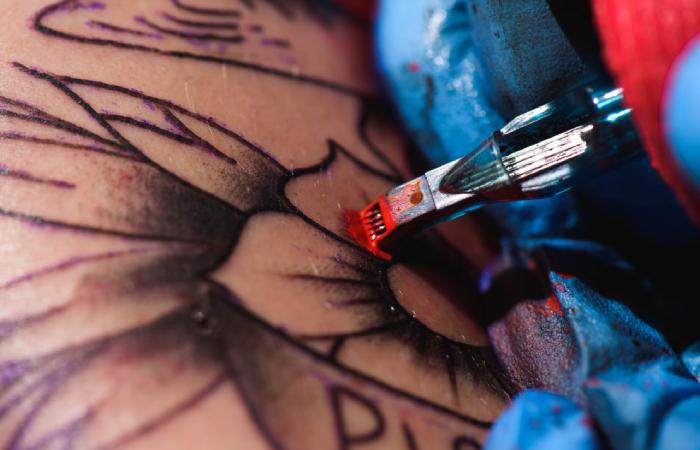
column 67, row 432
column 199, row 142
column 70, row 145
column 72, row 262
column 104, row 26
column 189, row 35
column 175, row 411
column 179, row 4
column 75, row 5
column 11, row 370
column 276, row 42
column 199, row 24
column 47, row 385
column 26, row 176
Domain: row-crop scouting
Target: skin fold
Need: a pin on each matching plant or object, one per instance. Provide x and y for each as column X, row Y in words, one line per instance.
column 174, row 268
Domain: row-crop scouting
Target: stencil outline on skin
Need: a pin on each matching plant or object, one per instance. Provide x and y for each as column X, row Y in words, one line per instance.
column 139, row 236
column 199, row 276
column 63, row 6
column 365, row 101
column 340, row 89
column 125, row 143
column 284, row 178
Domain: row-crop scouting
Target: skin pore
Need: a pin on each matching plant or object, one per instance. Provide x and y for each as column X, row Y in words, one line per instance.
column 175, row 271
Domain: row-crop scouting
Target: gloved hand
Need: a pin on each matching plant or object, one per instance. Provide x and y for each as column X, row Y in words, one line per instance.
column 539, row 420
column 620, row 384
column 682, row 111
column 634, row 393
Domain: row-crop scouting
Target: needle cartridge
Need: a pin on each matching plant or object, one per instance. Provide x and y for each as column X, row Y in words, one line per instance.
column 538, row 154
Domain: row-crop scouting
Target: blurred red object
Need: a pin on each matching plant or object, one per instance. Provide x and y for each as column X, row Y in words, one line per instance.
column 362, row 8
column 641, row 41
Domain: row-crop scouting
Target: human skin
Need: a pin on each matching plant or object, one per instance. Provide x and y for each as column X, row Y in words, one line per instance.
column 175, row 271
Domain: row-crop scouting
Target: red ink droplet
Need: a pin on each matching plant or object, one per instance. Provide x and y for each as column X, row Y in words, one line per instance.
column 553, row 307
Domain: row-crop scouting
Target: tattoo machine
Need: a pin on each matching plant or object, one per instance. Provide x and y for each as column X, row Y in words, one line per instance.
column 541, row 153
column 565, row 142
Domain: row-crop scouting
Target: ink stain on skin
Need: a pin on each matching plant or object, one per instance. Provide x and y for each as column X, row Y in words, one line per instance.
column 177, row 230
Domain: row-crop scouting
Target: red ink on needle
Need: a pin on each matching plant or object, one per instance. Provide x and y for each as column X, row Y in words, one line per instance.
column 370, row 226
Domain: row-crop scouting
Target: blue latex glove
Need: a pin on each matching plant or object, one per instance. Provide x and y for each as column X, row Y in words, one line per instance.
column 543, row 421
column 682, row 112
column 631, row 391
